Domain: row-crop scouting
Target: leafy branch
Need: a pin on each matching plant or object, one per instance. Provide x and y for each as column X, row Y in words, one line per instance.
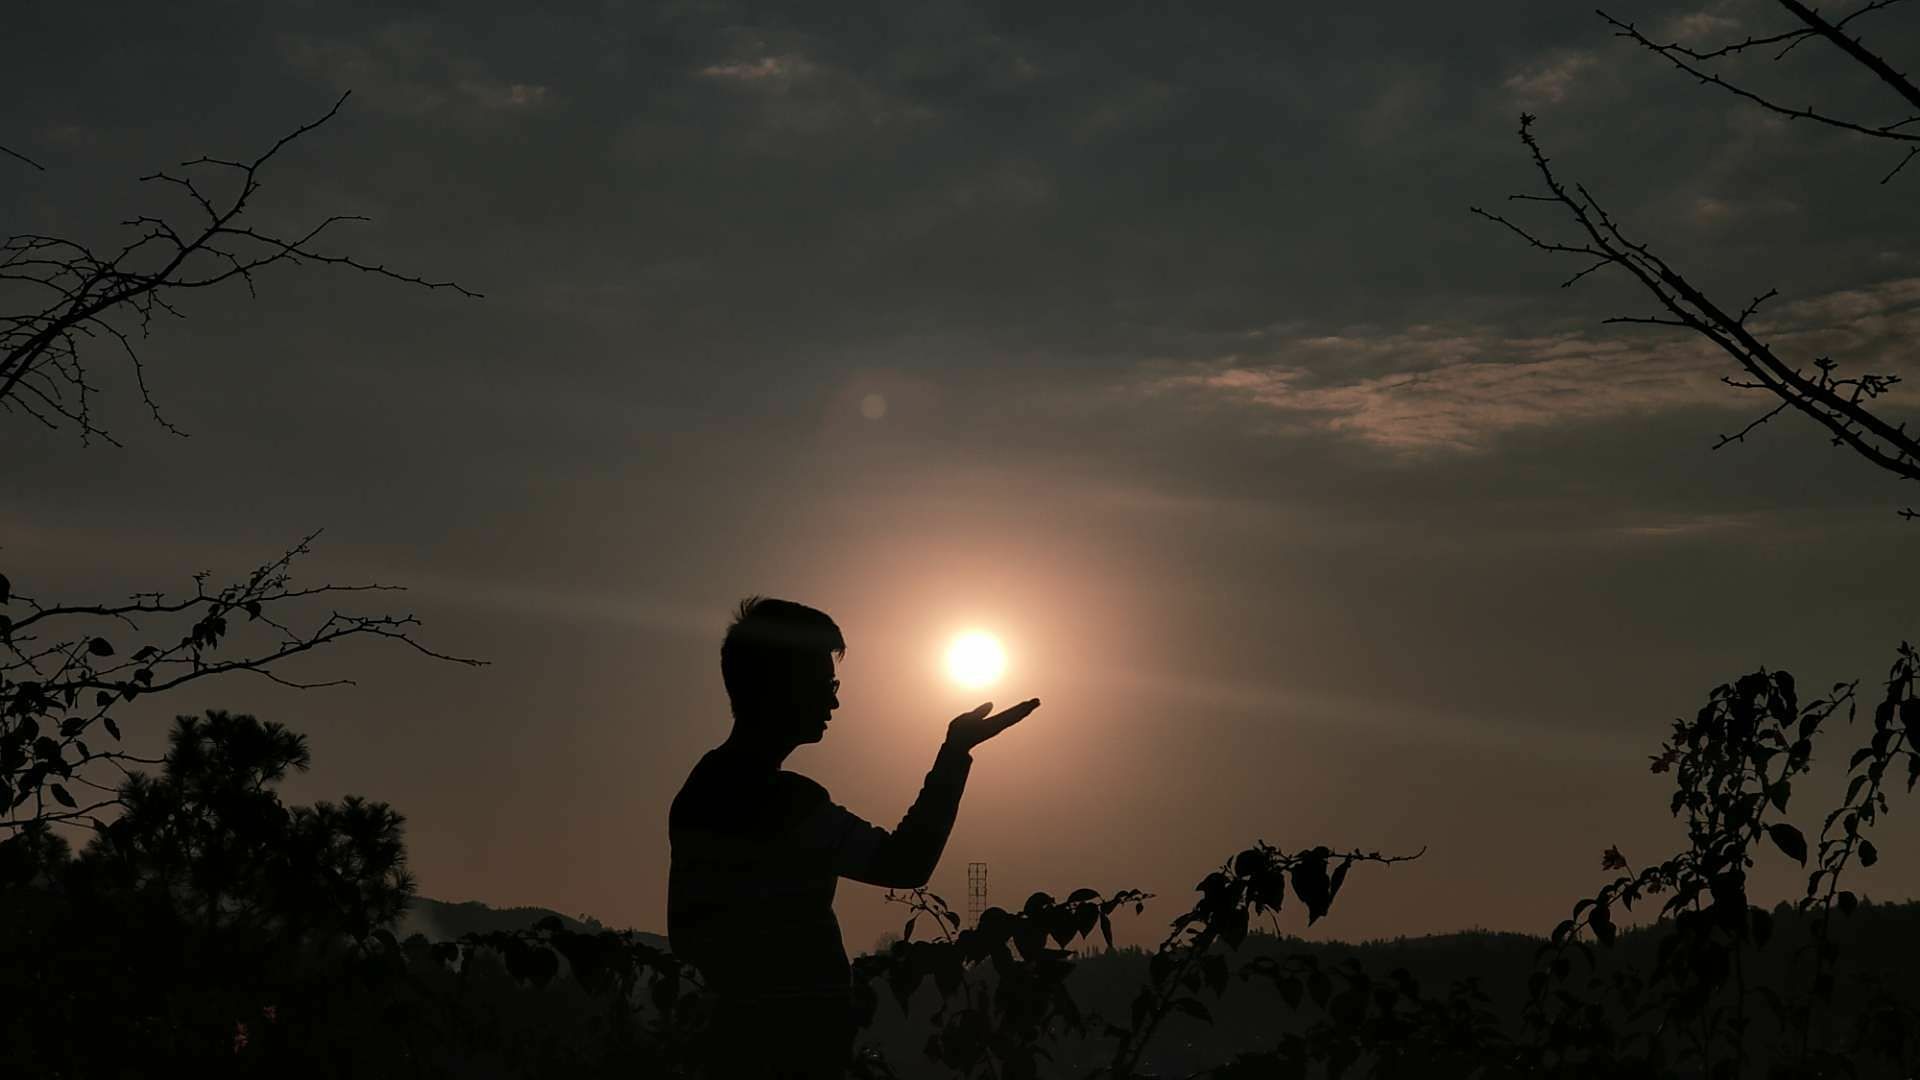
column 65, row 667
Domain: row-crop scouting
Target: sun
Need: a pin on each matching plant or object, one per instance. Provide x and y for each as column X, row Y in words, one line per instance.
column 975, row 659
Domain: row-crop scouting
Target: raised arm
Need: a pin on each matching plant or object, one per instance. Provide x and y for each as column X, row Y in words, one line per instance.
column 905, row 858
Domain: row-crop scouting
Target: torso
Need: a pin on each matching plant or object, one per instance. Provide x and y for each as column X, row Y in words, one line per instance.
column 750, row 894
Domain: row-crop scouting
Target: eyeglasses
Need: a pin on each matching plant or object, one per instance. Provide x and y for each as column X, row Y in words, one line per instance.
column 833, row 687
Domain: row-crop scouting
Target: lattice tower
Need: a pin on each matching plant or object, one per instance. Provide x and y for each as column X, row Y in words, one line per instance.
column 976, row 892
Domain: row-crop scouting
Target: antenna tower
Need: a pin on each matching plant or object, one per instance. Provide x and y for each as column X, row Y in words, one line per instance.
column 976, row 892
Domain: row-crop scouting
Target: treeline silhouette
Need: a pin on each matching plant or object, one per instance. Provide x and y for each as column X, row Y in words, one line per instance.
column 213, row 927
column 442, row 920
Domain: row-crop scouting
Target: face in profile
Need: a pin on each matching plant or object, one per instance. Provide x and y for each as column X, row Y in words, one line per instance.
column 812, row 697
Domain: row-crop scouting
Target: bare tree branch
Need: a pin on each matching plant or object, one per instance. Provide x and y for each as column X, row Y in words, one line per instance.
column 1860, row 54
column 1741, row 435
column 1839, row 404
column 18, row 156
column 1690, row 61
column 86, row 295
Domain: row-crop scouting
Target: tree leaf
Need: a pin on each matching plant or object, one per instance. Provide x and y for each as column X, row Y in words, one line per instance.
column 1310, row 885
column 61, row 795
column 1290, row 991
column 1319, row 987
column 1194, row 1008
column 1868, row 853
column 1602, row 924
column 1788, row 840
column 1214, row 969
column 1233, row 927
column 1853, row 789
column 99, row 647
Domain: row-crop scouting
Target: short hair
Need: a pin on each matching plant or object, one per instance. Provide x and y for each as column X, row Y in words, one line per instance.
column 765, row 640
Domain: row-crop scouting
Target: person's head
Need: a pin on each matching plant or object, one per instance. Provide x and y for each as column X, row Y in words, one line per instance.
column 777, row 662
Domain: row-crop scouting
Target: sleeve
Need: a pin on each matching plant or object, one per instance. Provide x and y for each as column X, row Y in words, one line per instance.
column 905, row 857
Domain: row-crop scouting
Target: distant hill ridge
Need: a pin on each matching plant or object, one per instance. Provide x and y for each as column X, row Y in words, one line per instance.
column 443, row 920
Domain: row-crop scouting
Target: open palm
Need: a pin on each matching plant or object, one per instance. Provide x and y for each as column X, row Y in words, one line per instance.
column 969, row 730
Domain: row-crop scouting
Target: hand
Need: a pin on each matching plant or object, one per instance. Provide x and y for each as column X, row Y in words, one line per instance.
column 969, row 730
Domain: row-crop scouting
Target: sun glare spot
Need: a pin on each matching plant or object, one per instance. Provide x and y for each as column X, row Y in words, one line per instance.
column 975, row 659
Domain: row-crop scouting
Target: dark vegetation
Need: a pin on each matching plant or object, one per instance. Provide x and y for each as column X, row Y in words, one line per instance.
column 439, row 920
column 203, row 924
column 211, row 926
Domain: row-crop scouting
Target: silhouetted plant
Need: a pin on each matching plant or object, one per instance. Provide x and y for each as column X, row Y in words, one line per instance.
column 65, row 667
column 653, row 1009
column 996, row 1024
column 206, row 901
column 1000, row 1027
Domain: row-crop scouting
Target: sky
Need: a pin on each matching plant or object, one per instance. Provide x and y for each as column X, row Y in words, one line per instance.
column 1161, row 344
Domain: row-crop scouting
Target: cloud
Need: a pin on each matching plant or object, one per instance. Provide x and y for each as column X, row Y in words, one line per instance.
column 1692, row 525
column 1550, row 81
column 781, row 99
column 1719, row 210
column 1429, row 388
column 766, row 67
column 1848, row 307
column 1872, row 328
column 410, row 68
column 495, row 95
column 1695, row 27
column 1461, row 405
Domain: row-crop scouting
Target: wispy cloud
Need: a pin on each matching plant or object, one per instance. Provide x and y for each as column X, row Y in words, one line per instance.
column 766, row 67
column 1430, row 388
column 1695, row 27
column 410, row 68
column 1719, row 210
column 788, row 93
column 1692, row 526
column 1550, row 81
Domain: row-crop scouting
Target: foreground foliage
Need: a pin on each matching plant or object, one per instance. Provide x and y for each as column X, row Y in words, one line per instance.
column 211, row 926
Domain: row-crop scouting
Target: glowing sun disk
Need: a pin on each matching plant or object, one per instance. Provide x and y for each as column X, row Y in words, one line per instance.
column 975, row 659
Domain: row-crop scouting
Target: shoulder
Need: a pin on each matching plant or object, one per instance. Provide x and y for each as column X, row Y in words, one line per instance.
column 802, row 792
column 704, row 792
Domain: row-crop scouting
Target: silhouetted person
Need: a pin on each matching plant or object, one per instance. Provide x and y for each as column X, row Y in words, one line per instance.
column 757, row 850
